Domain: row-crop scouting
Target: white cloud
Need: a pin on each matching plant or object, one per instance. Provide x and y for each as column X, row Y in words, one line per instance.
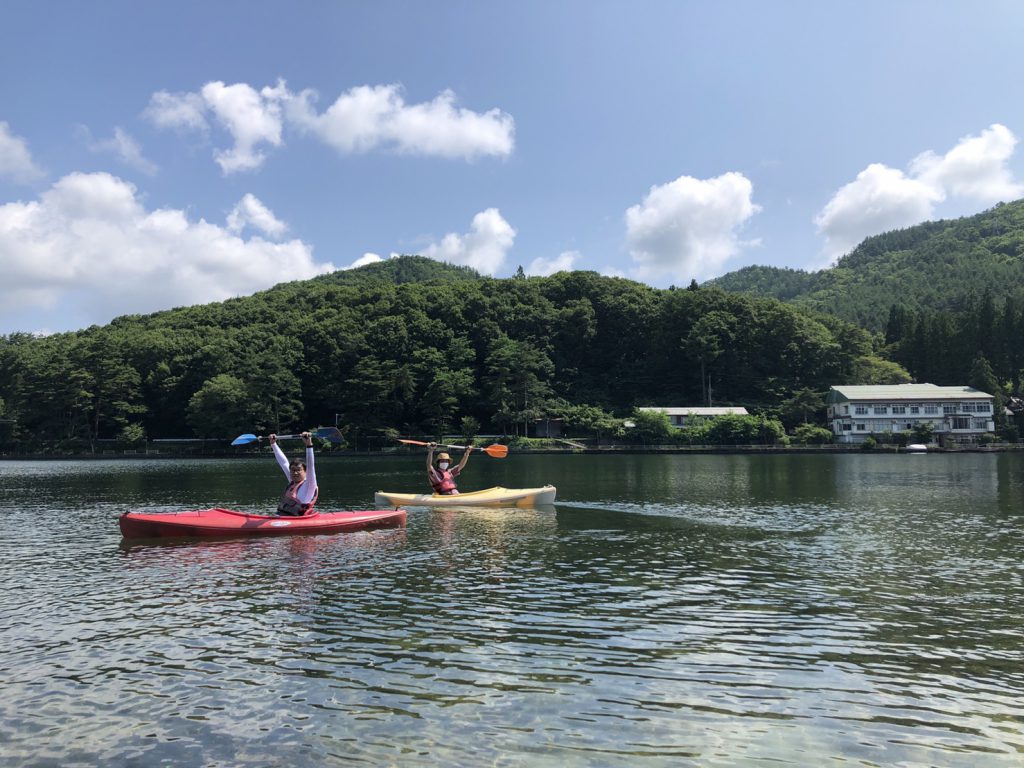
column 483, row 248
column 15, row 159
column 89, row 246
column 251, row 117
column 361, row 119
column 367, row 117
column 687, row 229
column 362, row 261
column 126, row 148
column 561, row 263
column 975, row 168
column 183, row 111
column 250, row 211
column 881, row 198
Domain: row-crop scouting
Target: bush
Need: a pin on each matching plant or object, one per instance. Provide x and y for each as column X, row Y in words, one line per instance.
column 534, row 443
column 923, row 432
column 733, row 429
column 868, row 444
column 810, row 434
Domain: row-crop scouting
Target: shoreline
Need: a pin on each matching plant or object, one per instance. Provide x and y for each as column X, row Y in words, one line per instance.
column 591, row 451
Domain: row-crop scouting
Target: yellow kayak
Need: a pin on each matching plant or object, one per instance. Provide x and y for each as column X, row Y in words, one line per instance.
column 491, row 497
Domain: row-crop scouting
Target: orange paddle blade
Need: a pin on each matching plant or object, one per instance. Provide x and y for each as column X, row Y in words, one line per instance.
column 497, row 451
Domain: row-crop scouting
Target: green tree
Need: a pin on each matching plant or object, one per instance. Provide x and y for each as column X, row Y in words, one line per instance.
column 982, row 378
column 708, row 340
column 220, row 407
column 805, row 405
column 132, row 433
column 469, row 428
column 651, row 426
column 871, row 369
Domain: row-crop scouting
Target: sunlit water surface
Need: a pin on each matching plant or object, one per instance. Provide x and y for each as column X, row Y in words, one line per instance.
column 668, row 610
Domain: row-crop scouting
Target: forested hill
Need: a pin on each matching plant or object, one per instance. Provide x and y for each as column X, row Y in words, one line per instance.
column 406, row 269
column 416, row 346
column 937, row 266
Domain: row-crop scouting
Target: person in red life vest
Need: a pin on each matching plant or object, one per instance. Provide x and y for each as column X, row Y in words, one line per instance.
column 301, row 494
column 442, row 479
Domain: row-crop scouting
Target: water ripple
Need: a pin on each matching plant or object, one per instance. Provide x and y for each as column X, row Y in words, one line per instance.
column 605, row 632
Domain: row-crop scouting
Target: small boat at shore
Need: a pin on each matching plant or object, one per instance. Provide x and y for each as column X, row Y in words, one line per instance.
column 917, row 448
column 490, row 497
column 207, row 523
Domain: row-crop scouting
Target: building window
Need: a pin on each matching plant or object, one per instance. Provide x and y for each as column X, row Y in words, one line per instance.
column 984, row 408
column 948, row 410
column 896, row 409
column 860, row 410
column 915, row 409
column 846, row 426
column 980, row 424
column 862, row 427
column 881, row 410
column 932, row 409
column 961, row 422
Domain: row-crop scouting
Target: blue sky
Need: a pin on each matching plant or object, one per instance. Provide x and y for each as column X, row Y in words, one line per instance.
column 155, row 155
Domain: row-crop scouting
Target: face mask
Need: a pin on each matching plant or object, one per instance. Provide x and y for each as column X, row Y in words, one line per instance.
column 443, row 464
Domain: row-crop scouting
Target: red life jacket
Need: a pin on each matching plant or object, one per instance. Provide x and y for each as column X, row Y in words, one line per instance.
column 442, row 481
column 290, row 504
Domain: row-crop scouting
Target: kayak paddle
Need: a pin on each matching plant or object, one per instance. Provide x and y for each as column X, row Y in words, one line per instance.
column 496, row 451
column 333, row 434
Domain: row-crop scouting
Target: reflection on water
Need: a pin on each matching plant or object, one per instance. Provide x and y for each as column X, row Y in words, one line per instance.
column 704, row 611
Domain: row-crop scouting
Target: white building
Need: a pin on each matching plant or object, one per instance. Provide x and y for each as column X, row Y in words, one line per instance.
column 855, row 412
column 679, row 417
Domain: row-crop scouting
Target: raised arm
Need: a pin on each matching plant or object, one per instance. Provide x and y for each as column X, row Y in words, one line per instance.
column 282, row 460
column 308, row 488
column 465, row 458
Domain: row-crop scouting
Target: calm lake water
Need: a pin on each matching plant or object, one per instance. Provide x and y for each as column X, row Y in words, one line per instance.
column 668, row 610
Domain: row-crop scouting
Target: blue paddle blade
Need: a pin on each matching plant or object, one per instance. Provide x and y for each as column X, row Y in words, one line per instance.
column 332, row 434
column 244, row 440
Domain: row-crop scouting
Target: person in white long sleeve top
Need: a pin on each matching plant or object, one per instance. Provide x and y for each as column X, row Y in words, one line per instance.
column 301, row 494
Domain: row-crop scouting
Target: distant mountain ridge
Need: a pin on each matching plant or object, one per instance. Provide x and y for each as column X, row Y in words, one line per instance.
column 938, row 265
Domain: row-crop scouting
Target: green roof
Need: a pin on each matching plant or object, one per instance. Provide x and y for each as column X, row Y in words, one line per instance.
column 843, row 392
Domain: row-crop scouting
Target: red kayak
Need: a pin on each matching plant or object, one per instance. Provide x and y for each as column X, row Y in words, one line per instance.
column 227, row 522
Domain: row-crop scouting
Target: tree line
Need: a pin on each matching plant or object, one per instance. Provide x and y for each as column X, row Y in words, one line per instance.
column 416, row 347
column 982, row 346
